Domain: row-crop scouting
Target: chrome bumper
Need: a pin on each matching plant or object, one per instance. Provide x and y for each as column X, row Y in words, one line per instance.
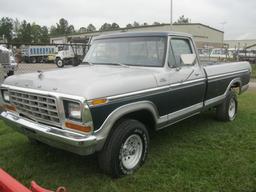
column 59, row 138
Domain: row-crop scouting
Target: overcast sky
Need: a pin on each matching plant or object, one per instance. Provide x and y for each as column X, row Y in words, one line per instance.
column 236, row 17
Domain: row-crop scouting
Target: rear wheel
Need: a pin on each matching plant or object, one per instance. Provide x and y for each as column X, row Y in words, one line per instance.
column 126, row 149
column 227, row 111
column 59, row 63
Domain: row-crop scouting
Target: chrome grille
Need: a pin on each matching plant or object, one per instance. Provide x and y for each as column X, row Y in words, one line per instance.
column 40, row 108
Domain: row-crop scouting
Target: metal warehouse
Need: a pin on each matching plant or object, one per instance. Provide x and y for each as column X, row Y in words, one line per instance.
column 205, row 36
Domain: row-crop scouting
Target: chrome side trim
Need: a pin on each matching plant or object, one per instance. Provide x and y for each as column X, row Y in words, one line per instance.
column 166, row 87
column 227, row 74
column 214, row 100
column 185, row 111
column 178, row 120
column 182, row 114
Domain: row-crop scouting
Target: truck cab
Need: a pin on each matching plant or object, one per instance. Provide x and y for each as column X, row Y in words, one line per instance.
column 70, row 54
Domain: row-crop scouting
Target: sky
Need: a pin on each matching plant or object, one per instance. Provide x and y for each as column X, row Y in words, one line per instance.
column 236, row 18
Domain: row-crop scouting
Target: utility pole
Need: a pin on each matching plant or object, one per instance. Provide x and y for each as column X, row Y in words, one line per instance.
column 171, row 13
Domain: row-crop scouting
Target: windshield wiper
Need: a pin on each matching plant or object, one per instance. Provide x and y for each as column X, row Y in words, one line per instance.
column 88, row 63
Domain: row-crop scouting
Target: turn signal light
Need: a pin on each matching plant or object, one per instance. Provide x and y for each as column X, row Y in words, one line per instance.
column 95, row 102
column 78, row 127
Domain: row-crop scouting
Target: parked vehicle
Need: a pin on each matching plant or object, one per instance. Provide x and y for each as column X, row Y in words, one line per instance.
column 7, row 61
column 69, row 55
column 220, row 54
column 128, row 84
column 39, row 53
column 73, row 53
column 247, row 55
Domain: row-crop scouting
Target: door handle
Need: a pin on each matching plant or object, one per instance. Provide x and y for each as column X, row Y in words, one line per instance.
column 197, row 74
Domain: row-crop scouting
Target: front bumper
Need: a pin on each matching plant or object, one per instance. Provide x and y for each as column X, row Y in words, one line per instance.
column 59, row 138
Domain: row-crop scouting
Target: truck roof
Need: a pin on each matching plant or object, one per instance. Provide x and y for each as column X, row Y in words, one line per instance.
column 142, row 34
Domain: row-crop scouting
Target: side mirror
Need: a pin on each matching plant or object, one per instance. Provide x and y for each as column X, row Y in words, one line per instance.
column 188, row 59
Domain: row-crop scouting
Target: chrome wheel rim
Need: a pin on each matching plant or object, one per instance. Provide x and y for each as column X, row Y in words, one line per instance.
column 232, row 108
column 131, row 151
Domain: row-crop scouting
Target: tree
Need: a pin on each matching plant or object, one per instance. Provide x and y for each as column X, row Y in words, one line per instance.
column 182, row 20
column 35, row 33
column 62, row 28
column 91, row 28
column 106, row 27
column 136, row 24
column 16, row 27
column 82, row 30
column 25, row 33
column 115, row 26
column 44, row 38
column 156, row 23
column 129, row 25
column 145, row 24
column 6, row 27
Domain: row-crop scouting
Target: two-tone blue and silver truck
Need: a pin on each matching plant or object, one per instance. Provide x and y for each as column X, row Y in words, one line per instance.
column 128, row 84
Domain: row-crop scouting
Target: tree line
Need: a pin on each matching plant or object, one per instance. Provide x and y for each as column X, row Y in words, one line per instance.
column 15, row 31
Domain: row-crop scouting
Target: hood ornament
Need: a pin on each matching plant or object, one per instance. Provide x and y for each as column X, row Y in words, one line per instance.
column 40, row 75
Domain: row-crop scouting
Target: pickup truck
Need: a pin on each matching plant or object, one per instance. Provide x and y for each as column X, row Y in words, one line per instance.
column 128, row 84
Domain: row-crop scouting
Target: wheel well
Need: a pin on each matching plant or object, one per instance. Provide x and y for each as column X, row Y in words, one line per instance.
column 144, row 116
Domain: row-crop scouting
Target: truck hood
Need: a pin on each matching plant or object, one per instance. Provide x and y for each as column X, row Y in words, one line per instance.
column 89, row 81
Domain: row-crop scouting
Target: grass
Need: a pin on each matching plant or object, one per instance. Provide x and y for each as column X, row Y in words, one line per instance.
column 253, row 70
column 198, row 154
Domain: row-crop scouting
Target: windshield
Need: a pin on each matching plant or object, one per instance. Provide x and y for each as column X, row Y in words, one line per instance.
column 135, row 51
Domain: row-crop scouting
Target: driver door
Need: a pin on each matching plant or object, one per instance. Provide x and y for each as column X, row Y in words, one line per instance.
column 187, row 81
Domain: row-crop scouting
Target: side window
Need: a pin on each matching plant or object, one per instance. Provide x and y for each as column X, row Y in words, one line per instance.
column 179, row 47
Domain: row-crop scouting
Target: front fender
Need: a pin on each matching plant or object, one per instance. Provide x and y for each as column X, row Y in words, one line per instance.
column 120, row 112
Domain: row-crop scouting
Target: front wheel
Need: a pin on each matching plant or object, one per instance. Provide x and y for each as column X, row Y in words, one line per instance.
column 126, row 149
column 59, row 63
column 227, row 111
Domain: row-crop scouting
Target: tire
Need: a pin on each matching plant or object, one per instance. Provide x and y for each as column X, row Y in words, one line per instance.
column 59, row 63
column 227, row 111
column 115, row 159
column 33, row 60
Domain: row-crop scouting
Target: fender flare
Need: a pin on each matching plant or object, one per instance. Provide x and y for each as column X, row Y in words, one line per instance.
column 103, row 132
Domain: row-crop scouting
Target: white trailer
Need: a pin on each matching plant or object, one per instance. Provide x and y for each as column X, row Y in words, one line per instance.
column 39, row 53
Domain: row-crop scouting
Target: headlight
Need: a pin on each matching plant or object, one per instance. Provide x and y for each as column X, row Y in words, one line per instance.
column 73, row 110
column 5, row 95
